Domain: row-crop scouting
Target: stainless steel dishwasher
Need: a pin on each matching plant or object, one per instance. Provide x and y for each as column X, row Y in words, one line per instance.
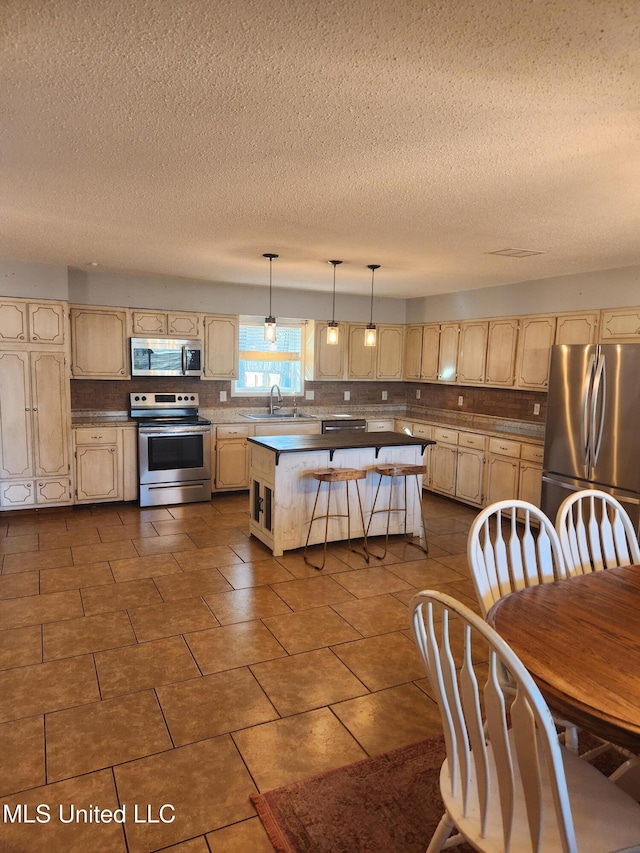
column 340, row 425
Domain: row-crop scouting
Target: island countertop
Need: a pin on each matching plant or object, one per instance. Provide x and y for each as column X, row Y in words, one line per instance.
column 331, row 441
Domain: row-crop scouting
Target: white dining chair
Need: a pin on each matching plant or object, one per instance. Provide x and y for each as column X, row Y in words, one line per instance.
column 507, row 783
column 511, row 545
column 595, row 532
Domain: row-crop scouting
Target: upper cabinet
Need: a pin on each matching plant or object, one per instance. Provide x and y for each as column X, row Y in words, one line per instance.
column 502, row 340
column 472, row 354
column 537, row 334
column 577, row 328
column 171, row 323
column 422, row 351
column 99, row 342
column 448, row 354
column 328, row 360
column 220, row 346
column 25, row 322
column 389, row 352
column 361, row 360
column 620, row 325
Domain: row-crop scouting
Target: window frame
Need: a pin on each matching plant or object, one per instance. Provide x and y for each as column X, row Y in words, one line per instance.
column 282, row 322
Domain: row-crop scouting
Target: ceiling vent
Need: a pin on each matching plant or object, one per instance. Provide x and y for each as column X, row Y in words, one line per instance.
column 516, row 253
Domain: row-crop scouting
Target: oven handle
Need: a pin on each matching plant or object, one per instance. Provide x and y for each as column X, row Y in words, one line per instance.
column 175, row 430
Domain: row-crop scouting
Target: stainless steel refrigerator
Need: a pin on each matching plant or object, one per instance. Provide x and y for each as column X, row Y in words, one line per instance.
column 592, row 436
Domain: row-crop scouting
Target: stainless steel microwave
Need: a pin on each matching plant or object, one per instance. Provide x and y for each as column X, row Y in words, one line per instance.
column 165, row 357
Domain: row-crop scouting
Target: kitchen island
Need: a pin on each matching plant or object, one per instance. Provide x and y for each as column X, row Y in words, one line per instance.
column 283, row 489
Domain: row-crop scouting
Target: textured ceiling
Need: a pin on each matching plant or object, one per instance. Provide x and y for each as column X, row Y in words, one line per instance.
column 186, row 138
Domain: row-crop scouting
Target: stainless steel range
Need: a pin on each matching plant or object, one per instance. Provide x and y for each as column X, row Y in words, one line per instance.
column 174, row 448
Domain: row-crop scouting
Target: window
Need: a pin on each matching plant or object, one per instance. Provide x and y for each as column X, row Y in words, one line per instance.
column 263, row 364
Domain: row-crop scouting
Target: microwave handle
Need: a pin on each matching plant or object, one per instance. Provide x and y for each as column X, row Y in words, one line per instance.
column 184, row 360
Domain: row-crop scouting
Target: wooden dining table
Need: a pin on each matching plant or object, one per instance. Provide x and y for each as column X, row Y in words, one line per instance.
column 580, row 640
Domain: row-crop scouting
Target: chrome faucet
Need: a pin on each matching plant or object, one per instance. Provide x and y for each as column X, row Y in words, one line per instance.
column 273, row 407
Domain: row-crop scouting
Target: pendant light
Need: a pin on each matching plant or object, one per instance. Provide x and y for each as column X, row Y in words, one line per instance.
column 333, row 331
column 370, row 334
column 270, row 321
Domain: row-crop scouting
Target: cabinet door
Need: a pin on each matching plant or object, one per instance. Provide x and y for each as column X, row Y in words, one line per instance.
column 16, row 446
column 51, row 414
column 220, row 346
column 502, row 479
column 99, row 343
column 530, row 486
column 14, row 321
column 97, row 470
column 430, row 352
column 577, row 328
column 232, row 464
column 149, row 323
column 470, row 475
column 390, row 350
column 448, row 357
column 185, row 325
column 537, row 335
column 473, row 352
column 47, row 323
column 501, row 352
column 620, row 325
column 443, row 468
column 412, row 352
column 330, row 359
column 361, row 361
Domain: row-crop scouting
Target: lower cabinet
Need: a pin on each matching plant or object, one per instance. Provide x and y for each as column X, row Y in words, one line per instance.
column 514, row 471
column 106, row 463
column 458, row 465
column 98, row 465
column 231, row 458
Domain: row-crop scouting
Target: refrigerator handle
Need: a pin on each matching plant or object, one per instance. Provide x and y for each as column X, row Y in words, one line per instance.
column 587, row 414
column 599, row 395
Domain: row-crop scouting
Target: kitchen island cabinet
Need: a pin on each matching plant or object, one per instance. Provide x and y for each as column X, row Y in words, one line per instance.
column 283, row 489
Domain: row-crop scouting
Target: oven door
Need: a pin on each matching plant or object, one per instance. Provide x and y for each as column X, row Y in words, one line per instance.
column 174, row 453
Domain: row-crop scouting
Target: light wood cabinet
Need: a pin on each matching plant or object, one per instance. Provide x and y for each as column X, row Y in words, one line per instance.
column 177, row 324
column 620, row 325
column 25, row 322
column 361, row 360
column 503, row 474
column 411, row 369
column 422, row 348
column 34, row 429
column 448, row 354
column 99, row 464
column 220, row 346
column 99, row 343
column 470, row 475
column 472, row 353
column 390, row 351
column 444, row 461
column 380, row 425
column 537, row 334
column 232, row 456
column 502, row 339
column 329, row 360
column 577, row 328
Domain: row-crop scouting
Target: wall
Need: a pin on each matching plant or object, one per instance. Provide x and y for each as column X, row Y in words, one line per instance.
column 602, row 289
column 35, row 281
column 94, row 287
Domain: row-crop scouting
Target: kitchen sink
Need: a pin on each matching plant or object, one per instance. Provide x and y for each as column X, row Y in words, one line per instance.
column 277, row 416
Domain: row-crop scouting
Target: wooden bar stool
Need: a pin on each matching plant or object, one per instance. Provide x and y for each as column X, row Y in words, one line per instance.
column 399, row 471
column 336, row 475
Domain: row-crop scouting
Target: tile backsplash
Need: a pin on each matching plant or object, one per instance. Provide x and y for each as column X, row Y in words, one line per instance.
column 113, row 396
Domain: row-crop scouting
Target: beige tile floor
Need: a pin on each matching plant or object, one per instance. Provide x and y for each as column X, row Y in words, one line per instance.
column 162, row 657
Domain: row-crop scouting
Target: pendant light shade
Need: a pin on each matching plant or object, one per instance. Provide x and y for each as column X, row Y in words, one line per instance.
column 270, row 321
column 370, row 333
column 333, row 331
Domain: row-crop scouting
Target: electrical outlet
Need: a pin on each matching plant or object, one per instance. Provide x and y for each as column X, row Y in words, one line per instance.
column 460, row 400
column 347, row 396
column 384, row 395
column 418, row 392
column 223, row 396
column 309, row 395
column 536, row 408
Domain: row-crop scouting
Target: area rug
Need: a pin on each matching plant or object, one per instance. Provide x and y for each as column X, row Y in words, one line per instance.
column 386, row 804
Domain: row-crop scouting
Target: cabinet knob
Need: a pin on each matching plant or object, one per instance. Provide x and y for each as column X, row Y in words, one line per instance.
column 112, row 449
column 35, row 408
column 27, row 409
column 35, row 337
